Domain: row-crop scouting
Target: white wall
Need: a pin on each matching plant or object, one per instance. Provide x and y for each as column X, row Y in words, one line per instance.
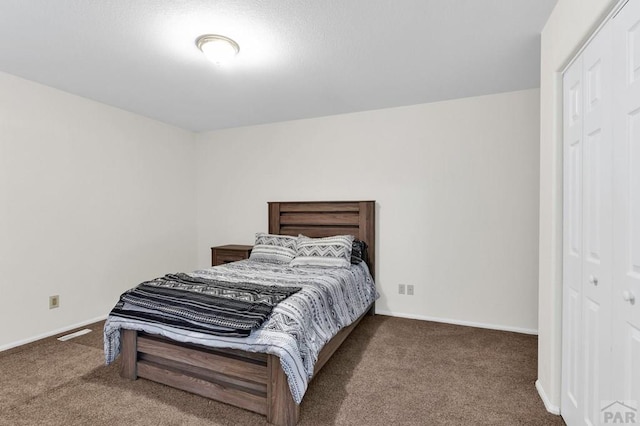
column 93, row 200
column 570, row 24
column 456, row 184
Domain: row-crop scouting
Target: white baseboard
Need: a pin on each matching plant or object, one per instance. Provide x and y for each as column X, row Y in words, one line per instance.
column 458, row 322
column 553, row 409
column 51, row 333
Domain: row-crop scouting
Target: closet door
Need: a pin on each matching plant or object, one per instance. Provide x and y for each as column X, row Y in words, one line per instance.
column 626, row 292
column 588, row 257
column 572, row 384
column 597, row 225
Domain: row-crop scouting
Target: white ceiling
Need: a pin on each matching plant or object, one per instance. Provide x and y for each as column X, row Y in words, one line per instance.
column 298, row 58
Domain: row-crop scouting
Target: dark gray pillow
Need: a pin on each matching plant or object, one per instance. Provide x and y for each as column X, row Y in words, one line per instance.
column 358, row 252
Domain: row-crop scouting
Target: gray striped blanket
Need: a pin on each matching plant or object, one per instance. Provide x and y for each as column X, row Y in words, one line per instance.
column 202, row 304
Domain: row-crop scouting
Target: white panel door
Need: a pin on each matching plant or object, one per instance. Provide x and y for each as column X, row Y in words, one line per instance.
column 571, row 398
column 597, row 225
column 626, row 292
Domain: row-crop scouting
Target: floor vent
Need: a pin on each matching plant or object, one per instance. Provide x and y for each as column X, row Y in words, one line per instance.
column 76, row 334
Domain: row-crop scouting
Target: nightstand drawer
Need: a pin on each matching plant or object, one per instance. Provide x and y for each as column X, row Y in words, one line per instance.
column 223, row 256
column 229, row 253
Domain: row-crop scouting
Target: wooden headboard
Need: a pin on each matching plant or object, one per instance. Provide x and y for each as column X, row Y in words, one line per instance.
column 326, row 218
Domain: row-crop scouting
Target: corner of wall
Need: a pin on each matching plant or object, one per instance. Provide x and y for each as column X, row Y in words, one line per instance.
column 553, row 409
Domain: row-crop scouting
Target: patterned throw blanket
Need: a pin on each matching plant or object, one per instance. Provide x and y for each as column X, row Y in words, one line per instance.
column 200, row 304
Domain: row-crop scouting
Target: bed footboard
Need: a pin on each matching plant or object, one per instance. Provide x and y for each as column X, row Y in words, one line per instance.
column 253, row 381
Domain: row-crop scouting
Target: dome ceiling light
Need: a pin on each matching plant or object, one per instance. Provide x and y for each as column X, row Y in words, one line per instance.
column 218, row 49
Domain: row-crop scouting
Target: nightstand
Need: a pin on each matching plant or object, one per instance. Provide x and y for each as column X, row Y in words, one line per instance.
column 229, row 253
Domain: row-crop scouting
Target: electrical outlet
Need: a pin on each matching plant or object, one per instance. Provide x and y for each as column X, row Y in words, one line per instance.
column 54, row 302
column 410, row 290
column 401, row 288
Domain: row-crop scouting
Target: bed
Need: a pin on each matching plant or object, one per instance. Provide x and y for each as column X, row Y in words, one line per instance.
column 247, row 379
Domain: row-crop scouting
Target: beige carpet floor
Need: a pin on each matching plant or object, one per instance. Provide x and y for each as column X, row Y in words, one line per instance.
column 391, row 371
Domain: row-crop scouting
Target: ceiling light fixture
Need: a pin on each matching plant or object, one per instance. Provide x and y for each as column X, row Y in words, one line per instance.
column 218, row 49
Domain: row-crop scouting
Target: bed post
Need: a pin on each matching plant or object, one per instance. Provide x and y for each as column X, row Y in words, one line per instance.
column 129, row 353
column 282, row 410
column 367, row 230
column 367, row 233
column 274, row 218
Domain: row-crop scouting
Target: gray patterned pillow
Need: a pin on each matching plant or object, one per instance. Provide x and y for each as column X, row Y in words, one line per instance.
column 274, row 248
column 329, row 251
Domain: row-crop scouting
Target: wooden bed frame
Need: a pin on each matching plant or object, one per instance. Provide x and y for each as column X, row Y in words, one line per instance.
column 254, row 381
